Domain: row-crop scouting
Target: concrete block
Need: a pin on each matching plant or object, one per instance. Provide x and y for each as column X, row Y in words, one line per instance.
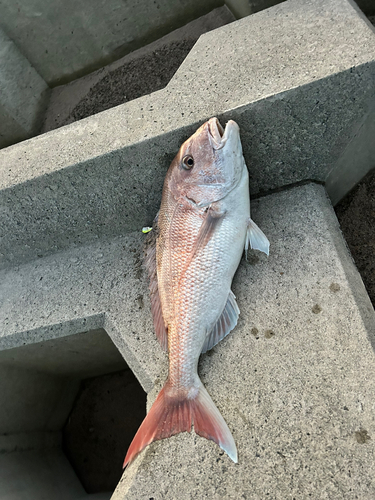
column 66, row 41
column 356, row 160
column 76, row 100
column 295, row 380
column 23, row 95
column 298, row 78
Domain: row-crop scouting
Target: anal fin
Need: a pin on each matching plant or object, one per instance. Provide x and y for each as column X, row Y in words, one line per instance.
column 224, row 325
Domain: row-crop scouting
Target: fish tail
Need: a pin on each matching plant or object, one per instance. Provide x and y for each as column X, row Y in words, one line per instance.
column 172, row 413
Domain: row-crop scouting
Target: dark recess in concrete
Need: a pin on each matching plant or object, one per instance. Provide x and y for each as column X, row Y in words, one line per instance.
column 134, row 79
column 104, row 419
column 142, row 72
column 356, row 214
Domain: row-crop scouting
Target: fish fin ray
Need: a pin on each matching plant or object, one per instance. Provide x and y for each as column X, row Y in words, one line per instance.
column 150, row 263
column 171, row 414
column 168, row 415
column 210, row 223
column 256, row 239
column 225, row 323
column 209, row 423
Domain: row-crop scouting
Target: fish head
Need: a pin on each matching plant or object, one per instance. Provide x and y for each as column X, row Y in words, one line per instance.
column 208, row 165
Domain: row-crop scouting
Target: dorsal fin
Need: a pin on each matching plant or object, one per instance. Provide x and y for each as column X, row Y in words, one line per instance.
column 150, row 263
column 225, row 324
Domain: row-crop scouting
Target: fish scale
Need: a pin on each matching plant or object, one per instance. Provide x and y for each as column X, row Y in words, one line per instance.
column 201, row 230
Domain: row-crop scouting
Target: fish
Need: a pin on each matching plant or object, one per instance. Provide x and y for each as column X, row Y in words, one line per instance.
column 198, row 238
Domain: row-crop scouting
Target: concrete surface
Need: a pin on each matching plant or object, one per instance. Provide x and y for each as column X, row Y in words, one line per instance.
column 356, row 215
column 295, row 380
column 23, row 95
column 357, row 159
column 298, row 78
column 141, row 72
column 41, row 475
column 53, row 312
column 40, row 381
column 77, row 290
column 66, row 40
column 39, row 384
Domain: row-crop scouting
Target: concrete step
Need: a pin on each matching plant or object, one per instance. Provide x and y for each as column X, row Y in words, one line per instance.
column 298, row 78
column 295, row 380
column 141, row 72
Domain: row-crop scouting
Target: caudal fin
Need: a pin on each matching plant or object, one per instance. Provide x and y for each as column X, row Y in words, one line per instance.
column 171, row 414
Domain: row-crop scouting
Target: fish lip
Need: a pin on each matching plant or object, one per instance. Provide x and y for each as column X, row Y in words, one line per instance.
column 216, row 133
column 219, row 136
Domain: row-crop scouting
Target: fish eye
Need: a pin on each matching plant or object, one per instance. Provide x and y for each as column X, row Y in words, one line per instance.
column 187, row 162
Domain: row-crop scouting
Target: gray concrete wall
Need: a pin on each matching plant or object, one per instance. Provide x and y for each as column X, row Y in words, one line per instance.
column 23, row 95
column 40, row 475
column 295, row 380
column 357, row 159
column 64, row 40
column 299, row 97
column 39, row 383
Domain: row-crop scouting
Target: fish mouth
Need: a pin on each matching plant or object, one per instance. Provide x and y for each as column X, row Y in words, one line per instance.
column 219, row 136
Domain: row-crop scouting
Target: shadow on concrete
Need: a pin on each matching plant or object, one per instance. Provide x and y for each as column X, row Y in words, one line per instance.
column 73, row 393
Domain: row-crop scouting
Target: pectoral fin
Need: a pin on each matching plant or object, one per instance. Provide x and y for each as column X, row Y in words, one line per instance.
column 256, row 239
column 224, row 325
column 210, row 224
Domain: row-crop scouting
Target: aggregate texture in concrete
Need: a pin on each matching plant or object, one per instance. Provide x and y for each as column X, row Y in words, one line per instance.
column 141, row 72
column 65, row 40
column 298, row 78
column 23, row 95
column 356, row 214
column 295, row 380
column 356, row 161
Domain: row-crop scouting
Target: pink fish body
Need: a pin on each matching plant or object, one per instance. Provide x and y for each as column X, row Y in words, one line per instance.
column 201, row 231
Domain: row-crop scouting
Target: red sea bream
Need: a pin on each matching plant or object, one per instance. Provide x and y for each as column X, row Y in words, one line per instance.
column 201, row 230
